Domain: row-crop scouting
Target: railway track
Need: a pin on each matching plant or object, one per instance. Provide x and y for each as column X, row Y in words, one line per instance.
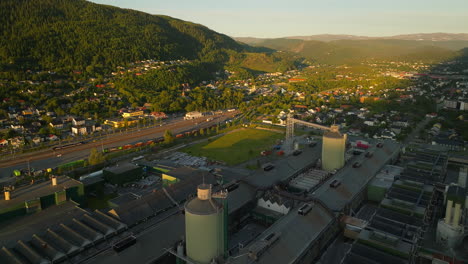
column 176, row 127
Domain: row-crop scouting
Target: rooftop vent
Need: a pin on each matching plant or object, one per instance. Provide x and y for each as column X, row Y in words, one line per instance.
column 54, row 181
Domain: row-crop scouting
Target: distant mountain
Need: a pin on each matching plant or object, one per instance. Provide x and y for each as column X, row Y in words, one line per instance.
column 335, row 49
column 329, row 37
column 332, row 37
column 76, row 34
column 431, row 37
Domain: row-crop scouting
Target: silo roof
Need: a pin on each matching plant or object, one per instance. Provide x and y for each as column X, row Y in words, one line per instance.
column 202, row 207
column 332, row 134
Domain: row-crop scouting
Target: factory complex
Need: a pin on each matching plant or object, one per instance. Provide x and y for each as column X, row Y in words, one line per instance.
column 338, row 200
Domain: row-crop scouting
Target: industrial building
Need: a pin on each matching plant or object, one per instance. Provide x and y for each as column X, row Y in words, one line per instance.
column 177, row 174
column 291, row 214
column 42, row 223
column 34, row 197
column 122, row 173
column 414, row 222
column 292, row 239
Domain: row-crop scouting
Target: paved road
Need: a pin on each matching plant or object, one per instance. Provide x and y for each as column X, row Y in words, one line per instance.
column 48, row 158
column 416, row 130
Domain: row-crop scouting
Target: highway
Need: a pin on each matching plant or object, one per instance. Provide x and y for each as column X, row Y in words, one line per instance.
column 48, row 158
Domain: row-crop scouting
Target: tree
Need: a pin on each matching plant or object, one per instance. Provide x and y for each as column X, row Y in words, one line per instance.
column 96, row 157
column 168, row 137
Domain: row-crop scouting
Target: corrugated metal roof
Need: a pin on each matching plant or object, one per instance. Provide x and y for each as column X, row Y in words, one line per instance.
column 297, row 233
column 353, row 180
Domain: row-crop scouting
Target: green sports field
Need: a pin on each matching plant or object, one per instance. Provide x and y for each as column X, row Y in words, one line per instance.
column 236, row 147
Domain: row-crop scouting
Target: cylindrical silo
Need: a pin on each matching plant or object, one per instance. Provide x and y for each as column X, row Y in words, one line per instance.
column 333, row 149
column 204, row 227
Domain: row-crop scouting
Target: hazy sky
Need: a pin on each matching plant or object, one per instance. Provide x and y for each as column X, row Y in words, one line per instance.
column 279, row 18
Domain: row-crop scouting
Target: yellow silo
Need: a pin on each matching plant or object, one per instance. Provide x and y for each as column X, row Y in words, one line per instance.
column 333, row 149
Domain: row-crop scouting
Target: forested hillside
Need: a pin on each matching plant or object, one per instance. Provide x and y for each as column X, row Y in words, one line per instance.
column 355, row 51
column 79, row 35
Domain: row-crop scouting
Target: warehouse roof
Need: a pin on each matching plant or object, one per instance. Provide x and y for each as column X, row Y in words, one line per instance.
column 54, row 234
column 23, row 228
column 135, row 210
column 285, row 168
column 353, row 180
column 149, row 245
column 296, row 234
column 240, row 196
column 183, row 173
column 122, row 168
column 29, row 192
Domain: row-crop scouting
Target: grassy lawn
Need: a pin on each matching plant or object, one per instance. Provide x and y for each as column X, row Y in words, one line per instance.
column 236, row 147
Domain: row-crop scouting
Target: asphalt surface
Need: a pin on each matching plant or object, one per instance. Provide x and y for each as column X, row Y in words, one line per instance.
column 49, row 159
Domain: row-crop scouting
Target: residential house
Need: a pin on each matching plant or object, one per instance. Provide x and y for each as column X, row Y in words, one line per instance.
column 16, row 142
column 401, row 123
column 354, row 131
column 37, row 140
column 300, row 107
column 17, row 127
column 387, row 134
column 79, row 130
column 128, row 114
column 193, row 115
column 78, row 121
column 88, row 128
column 119, row 123
column 159, row 115
column 371, row 122
column 396, row 130
column 27, row 113
column 52, row 137
column 3, row 142
column 58, row 124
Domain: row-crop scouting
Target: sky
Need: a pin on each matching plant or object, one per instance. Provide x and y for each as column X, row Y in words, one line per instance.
column 281, row 18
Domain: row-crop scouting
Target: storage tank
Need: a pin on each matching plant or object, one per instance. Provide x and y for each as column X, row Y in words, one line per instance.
column 333, row 149
column 204, row 227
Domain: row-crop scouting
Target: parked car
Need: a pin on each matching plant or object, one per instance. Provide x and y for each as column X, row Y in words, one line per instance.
column 380, row 145
column 268, row 167
column 356, row 164
column 297, row 152
column 335, row 183
column 357, row 152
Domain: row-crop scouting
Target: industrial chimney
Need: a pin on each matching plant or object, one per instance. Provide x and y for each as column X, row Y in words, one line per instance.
column 54, row 181
column 7, row 195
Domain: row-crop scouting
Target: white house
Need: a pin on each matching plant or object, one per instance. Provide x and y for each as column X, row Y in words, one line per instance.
column 78, row 121
column 370, row 122
column 37, row 140
column 79, row 130
column 193, row 115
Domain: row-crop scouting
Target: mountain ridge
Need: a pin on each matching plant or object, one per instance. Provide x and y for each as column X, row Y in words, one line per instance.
column 77, row 34
column 438, row 36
